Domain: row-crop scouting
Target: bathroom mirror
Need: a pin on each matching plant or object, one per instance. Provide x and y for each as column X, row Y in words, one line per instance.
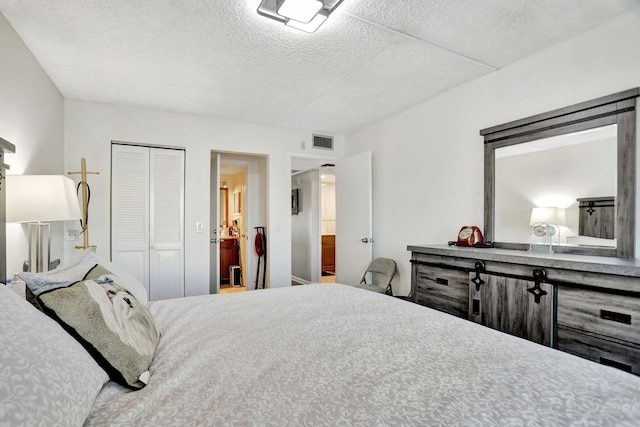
column 563, row 137
column 224, row 206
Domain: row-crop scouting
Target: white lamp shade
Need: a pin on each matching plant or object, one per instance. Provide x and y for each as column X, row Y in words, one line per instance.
column 32, row 198
column 555, row 216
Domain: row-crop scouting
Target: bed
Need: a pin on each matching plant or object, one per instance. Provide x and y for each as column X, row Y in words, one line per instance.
column 319, row 354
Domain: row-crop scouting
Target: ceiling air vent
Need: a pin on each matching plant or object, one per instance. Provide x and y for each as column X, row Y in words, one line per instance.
column 324, row 142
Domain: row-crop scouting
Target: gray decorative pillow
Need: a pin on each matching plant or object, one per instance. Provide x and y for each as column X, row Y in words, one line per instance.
column 114, row 327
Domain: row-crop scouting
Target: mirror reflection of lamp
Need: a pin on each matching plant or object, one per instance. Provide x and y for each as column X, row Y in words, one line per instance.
column 545, row 223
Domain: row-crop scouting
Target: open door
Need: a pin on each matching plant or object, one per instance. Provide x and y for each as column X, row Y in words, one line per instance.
column 354, row 225
column 214, row 221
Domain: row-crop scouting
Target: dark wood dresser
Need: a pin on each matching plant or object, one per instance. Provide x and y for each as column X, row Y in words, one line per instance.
column 5, row 147
column 585, row 305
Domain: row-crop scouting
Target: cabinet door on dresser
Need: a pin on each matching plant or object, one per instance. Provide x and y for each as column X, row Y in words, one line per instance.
column 513, row 306
column 443, row 289
column 599, row 326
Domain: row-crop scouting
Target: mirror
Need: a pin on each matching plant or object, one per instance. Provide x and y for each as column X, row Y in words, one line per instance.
column 224, row 206
column 557, row 172
column 542, row 160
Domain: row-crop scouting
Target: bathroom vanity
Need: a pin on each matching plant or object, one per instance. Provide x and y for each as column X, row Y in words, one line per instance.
column 229, row 256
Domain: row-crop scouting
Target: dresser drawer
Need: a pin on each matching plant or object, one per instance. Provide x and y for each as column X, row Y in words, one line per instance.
column 443, row 289
column 616, row 354
column 599, row 313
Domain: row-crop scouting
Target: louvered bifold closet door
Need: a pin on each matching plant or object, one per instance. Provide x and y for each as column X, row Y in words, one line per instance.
column 147, row 217
column 130, row 210
column 167, row 224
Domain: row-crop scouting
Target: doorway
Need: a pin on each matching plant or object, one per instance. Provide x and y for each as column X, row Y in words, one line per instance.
column 232, row 229
column 353, row 218
column 328, row 223
column 313, row 221
column 237, row 207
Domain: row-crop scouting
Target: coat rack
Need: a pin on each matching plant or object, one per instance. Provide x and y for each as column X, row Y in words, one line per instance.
column 86, row 194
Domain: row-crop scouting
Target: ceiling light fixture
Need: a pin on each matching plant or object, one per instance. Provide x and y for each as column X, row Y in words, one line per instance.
column 299, row 10
column 303, row 15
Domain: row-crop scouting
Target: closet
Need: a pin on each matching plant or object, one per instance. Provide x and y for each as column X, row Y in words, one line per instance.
column 147, row 216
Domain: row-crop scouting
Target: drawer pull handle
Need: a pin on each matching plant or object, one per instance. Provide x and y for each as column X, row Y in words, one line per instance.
column 615, row 317
column 478, row 280
column 614, row 364
column 442, row 281
column 539, row 276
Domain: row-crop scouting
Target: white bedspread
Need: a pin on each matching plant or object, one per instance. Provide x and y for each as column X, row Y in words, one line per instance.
column 327, row 354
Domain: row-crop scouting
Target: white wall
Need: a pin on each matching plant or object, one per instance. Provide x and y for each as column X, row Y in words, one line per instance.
column 428, row 168
column 305, row 227
column 90, row 128
column 31, row 118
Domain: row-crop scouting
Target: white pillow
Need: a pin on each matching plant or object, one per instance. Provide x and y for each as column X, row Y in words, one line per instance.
column 77, row 270
column 46, row 377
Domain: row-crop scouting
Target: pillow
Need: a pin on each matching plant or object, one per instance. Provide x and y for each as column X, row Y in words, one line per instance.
column 39, row 282
column 114, row 327
column 46, row 377
column 132, row 284
column 76, row 271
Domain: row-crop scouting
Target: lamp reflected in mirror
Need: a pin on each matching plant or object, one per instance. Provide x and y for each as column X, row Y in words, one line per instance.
column 545, row 225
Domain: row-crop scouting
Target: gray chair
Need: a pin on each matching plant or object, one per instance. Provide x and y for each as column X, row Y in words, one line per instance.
column 383, row 269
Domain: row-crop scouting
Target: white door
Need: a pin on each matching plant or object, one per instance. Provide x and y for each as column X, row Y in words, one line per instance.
column 214, row 220
column 147, row 217
column 130, row 210
column 166, row 239
column 354, row 228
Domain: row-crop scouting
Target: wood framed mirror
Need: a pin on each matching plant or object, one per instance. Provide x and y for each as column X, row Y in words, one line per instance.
column 618, row 112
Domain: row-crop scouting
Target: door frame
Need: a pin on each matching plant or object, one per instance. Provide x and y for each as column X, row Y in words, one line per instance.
column 251, row 206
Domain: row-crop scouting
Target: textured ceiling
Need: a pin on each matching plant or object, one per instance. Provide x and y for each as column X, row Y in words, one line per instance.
column 371, row 58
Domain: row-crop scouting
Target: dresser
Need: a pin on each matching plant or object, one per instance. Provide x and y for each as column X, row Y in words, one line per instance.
column 585, row 305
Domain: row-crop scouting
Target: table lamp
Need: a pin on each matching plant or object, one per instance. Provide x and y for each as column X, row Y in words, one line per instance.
column 39, row 200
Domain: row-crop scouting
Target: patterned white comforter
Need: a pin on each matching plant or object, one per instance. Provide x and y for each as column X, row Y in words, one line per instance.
column 328, row 354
